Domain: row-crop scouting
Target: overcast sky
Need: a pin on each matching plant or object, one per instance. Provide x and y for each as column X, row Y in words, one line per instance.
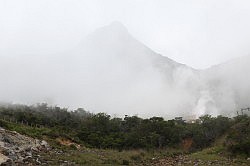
column 199, row 33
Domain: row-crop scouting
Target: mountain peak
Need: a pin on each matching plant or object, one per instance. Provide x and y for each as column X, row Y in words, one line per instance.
column 110, row 36
column 113, row 28
column 116, row 25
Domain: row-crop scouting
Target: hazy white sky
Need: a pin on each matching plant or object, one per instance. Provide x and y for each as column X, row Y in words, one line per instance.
column 199, row 33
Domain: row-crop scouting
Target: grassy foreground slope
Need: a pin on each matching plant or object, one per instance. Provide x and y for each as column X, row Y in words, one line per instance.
column 82, row 138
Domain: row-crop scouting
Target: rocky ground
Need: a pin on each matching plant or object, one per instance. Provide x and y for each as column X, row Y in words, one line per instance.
column 17, row 149
column 185, row 160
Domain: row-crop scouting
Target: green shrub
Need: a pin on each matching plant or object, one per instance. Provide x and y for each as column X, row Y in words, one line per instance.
column 136, row 157
column 238, row 139
column 125, row 162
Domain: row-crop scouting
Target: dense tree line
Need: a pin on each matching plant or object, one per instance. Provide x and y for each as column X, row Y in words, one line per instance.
column 103, row 131
column 238, row 138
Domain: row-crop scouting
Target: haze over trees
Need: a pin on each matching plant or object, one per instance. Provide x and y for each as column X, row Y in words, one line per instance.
column 110, row 71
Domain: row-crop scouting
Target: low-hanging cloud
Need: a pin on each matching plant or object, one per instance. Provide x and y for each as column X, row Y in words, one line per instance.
column 110, row 71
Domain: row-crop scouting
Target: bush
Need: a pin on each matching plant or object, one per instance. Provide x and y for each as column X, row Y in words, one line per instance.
column 125, row 162
column 73, row 147
column 136, row 157
column 238, row 139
